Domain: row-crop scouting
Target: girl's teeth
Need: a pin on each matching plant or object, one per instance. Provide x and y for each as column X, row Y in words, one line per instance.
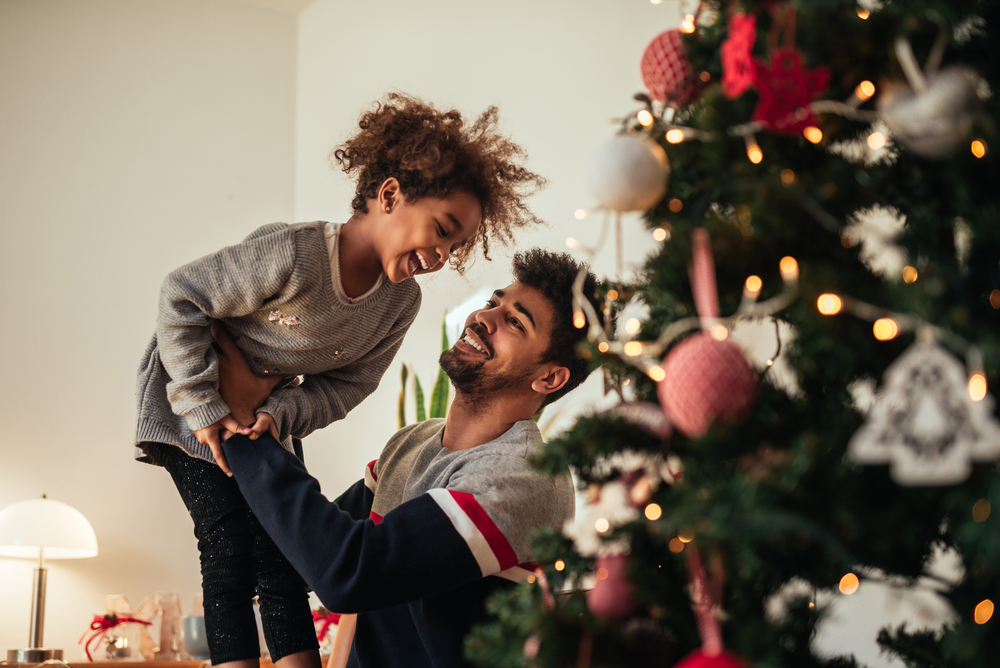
column 423, row 262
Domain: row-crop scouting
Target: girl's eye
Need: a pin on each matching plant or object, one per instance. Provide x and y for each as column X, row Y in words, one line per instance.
column 441, row 231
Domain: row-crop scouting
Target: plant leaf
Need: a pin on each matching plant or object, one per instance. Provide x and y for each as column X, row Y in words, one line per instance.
column 421, row 406
column 442, row 386
column 402, row 397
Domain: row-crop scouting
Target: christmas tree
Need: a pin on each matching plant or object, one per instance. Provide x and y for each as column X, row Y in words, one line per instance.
column 823, row 171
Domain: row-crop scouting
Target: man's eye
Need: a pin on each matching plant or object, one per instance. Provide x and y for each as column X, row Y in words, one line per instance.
column 490, row 303
column 517, row 323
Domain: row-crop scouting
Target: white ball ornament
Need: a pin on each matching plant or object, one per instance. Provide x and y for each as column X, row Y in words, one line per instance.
column 934, row 121
column 629, row 173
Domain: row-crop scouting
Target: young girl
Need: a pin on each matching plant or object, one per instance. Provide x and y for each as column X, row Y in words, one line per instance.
column 325, row 303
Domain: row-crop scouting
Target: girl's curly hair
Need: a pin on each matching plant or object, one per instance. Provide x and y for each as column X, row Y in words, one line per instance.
column 434, row 154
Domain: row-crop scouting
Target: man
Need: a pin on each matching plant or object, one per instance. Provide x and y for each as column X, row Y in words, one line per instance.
column 443, row 516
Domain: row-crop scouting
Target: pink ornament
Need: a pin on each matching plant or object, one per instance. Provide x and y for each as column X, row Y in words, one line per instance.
column 666, row 72
column 698, row 659
column 612, row 598
column 707, row 381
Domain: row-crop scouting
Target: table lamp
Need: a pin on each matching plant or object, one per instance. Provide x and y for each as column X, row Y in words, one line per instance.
column 36, row 529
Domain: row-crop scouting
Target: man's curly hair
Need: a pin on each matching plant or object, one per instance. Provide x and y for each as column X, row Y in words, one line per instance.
column 434, row 154
column 553, row 275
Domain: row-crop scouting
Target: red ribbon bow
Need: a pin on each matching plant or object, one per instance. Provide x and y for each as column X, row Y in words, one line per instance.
column 328, row 619
column 104, row 623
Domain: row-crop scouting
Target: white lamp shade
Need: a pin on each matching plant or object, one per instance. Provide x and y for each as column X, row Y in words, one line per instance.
column 62, row 530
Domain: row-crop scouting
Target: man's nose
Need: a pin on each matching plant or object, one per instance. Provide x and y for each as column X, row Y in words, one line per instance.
column 487, row 319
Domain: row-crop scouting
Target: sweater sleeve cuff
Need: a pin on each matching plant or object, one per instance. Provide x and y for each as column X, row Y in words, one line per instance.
column 206, row 414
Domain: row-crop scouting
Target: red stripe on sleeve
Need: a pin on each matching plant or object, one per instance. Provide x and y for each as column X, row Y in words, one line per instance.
column 494, row 537
column 371, row 467
column 374, row 516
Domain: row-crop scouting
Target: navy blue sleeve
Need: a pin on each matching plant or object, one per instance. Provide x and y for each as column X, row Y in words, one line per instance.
column 353, row 565
column 356, row 501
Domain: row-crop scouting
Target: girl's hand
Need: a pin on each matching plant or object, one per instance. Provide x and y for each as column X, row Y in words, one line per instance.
column 264, row 423
column 210, row 436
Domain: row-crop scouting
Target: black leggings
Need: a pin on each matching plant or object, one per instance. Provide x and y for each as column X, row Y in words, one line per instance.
column 238, row 561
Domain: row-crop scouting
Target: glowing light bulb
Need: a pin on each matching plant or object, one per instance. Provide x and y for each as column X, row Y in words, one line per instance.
column 754, row 154
column 977, row 386
column 979, row 148
column 675, row 136
column 981, row 510
column 657, row 373
column 660, row 234
column 876, row 140
column 580, row 214
column 632, row 326
column 645, row 118
column 849, row 584
column 864, row 90
column 603, row 346
column 676, row 546
column 863, row 13
column 720, row 332
column 633, row 348
column 559, row 565
column 572, row 243
column 787, row 177
column 705, row 77
column 653, row 512
column 602, row 525
column 675, row 205
column 687, row 25
column 813, row 134
column 656, row 2
column 752, row 286
column 578, row 320
column 789, row 268
column 686, row 534
column 983, row 612
column 613, row 294
column 602, row 573
column 910, row 274
column 829, row 304
column 885, row 329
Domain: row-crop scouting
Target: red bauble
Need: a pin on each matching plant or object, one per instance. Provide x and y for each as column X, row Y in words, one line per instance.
column 707, row 381
column 698, row 659
column 613, row 598
column 666, row 72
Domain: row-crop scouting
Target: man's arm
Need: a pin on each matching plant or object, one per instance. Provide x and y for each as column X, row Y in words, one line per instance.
column 353, row 565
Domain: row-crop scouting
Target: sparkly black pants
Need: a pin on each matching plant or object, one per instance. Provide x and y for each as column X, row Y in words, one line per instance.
column 239, row 561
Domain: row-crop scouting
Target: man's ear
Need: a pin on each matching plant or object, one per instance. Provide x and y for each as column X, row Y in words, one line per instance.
column 553, row 380
column 389, row 194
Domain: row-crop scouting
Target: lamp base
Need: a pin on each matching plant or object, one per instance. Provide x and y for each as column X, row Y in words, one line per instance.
column 33, row 655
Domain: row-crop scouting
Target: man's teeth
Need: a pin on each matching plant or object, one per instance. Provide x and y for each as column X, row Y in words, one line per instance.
column 472, row 342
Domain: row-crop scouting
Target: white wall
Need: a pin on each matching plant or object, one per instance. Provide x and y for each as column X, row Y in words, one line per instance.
column 134, row 136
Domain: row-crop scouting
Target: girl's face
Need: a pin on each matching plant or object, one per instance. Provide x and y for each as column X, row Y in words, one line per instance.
column 419, row 235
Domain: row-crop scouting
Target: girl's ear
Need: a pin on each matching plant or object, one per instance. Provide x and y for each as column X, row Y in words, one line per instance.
column 553, row 380
column 389, row 194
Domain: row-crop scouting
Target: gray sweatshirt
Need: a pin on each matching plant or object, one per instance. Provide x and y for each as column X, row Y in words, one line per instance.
column 274, row 293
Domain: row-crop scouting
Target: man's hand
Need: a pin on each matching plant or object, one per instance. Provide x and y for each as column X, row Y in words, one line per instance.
column 210, row 436
column 242, row 391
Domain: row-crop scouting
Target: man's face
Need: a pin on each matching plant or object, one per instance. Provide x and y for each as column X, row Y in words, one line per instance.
column 502, row 344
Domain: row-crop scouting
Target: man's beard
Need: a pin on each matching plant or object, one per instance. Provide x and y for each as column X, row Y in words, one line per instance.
column 473, row 382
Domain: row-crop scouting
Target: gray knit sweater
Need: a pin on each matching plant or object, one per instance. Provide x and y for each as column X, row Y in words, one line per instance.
column 274, row 293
